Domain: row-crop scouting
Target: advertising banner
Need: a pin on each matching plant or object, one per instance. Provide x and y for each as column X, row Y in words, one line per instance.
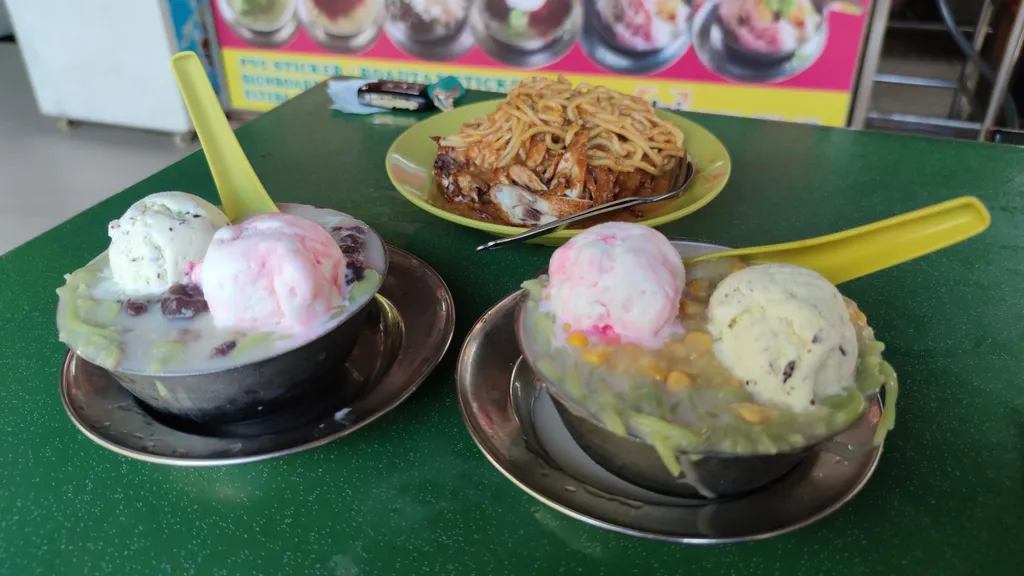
column 792, row 60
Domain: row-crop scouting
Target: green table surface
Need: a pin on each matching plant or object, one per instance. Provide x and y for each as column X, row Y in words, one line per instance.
column 413, row 494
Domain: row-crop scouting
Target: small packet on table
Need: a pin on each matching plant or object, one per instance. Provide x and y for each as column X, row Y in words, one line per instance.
column 359, row 96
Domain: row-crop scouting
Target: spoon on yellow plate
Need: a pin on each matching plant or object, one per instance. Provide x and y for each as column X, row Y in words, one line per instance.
column 860, row 251
column 241, row 193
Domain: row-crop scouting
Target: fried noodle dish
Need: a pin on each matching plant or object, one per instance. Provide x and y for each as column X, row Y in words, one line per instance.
column 552, row 150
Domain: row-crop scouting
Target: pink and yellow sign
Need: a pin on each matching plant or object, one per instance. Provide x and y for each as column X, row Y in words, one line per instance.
column 790, row 60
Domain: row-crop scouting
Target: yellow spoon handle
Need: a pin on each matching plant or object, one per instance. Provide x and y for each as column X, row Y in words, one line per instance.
column 860, row 251
column 241, row 192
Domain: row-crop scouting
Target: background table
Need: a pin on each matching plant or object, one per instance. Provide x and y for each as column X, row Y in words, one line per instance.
column 413, row 494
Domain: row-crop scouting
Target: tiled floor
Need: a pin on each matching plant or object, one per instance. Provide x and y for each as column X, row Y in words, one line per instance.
column 47, row 176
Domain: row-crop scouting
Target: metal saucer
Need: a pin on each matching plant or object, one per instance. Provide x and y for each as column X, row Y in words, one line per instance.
column 261, row 38
column 516, row 426
column 404, row 339
column 708, row 43
column 608, row 56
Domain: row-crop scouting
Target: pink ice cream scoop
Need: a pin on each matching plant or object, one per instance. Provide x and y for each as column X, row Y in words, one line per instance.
column 618, row 281
column 277, row 272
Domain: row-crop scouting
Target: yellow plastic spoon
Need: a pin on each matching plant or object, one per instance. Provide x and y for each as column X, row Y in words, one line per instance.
column 860, row 251
column 241, row 193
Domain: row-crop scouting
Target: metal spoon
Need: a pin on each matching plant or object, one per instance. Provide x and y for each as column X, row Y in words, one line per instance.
column 612, row 206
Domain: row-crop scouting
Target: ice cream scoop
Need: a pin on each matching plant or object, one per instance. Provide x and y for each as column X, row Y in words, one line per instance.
column 617, row 280
column 785, row 332
column 158, row 239
column 275, row 272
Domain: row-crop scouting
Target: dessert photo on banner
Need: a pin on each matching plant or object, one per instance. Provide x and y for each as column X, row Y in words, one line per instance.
column 342, row 25
column 430, row 29
column 636, row 36
column 265, row 23
column 764, row 40
column 526, row 33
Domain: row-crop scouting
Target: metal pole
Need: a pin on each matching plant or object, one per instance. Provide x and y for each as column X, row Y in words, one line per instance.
column 869, row 62
column 915, row 81
column 1006, row 66
column 923, row 121
column 969, row 73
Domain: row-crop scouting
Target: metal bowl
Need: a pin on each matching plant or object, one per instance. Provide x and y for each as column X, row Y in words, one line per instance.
column 250, row 391
column 254, row 390
column 710, row 475
column 635, row 461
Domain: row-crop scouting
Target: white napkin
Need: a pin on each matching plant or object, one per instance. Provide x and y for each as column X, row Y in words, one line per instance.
column 345, row 96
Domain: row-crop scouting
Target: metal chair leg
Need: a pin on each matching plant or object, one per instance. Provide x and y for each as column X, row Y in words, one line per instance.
column 1006, row 66
column 969, row 74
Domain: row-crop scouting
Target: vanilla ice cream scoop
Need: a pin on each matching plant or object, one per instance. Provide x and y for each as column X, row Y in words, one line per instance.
column 159, row 239
column 786, row 332
column 617, row 280
column 276, row 272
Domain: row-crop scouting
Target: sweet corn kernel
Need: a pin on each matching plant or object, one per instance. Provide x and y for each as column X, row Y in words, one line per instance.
column 566, row 328
column 699, row 342
column 752, row 413
column 578, row 340
column 698, row 287
column 678, row 381
column 732, row 382
column 596, row 356
column 656, row 372
column 678, row 348
column 689, row 308
column 856, row 316
column 650, row 366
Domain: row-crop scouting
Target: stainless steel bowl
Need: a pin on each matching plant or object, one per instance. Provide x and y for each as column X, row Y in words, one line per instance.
column 251, row 391
column 633, row 460
column 257, row 389
column 719, row 475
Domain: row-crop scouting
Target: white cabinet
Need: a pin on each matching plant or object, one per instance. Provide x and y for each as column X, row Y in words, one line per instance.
column 108, row 61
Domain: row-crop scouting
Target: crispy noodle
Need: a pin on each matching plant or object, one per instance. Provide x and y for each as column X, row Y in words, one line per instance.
column 624, row 132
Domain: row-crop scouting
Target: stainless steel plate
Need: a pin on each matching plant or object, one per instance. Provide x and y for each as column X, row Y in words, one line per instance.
column 404, row 340
column 516, row 426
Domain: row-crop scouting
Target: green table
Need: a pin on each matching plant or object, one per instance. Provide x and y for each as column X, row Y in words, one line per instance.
column 412, row 493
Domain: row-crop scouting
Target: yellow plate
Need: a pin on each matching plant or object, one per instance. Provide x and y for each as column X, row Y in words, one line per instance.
column 410, row 164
